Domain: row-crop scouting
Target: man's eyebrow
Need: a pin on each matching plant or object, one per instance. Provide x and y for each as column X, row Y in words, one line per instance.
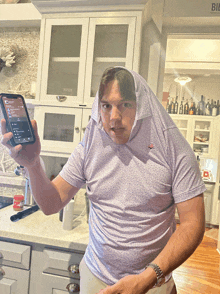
column 103, row 101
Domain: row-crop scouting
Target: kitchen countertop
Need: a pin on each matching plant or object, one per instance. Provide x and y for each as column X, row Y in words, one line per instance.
column 39, row 228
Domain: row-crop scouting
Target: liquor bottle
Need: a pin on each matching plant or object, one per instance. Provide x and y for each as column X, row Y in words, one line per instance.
column 218, row 107
column 214, row 109
column 212, row 105
column 172, row 110
column 176, row 105
column 186, row 108
column 202, row 106
column 191, row 110
column 208, row 108
column 197, row 111
column 181, row 108
column 168, row 106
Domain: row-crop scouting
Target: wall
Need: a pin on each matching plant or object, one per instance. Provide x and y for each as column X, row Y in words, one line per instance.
column 17, row 79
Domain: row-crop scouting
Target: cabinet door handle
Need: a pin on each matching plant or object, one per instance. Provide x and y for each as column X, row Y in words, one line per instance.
column 83, row 130
column 77, row 129
column 72, row 287
column 74, row 268
column 2, row 272
column 61, row 98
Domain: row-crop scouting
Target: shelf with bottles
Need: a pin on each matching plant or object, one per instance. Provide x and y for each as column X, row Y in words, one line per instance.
column 191, row 107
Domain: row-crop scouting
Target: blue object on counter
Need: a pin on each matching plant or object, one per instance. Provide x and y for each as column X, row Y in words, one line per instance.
column 24, row 213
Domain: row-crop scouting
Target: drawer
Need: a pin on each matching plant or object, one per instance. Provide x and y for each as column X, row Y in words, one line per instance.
column 58, row 285
column 62, row 263
column 15, row 255
column 14, row 280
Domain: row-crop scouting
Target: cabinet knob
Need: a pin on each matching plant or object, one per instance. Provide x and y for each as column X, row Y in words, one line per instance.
column 77, row 129
column 74, row 268
column 61, row 98
column 2, row 272
column 83, row 130
column 72, row 287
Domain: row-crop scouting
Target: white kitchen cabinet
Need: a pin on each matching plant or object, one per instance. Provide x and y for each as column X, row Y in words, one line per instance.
column 32, row 268
column 207, row 129
column 14, row 268
column 199, row 131
column 61, row 128
column 75, row 51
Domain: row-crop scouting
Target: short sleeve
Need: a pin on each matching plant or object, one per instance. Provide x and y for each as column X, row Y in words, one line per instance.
column 186, row 177
column 72, row 171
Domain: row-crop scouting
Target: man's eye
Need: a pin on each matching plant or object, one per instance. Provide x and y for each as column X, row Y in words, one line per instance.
column 105, row 106
column 128, row 105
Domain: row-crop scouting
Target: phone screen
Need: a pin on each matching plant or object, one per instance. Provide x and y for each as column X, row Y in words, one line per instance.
column 18, row 120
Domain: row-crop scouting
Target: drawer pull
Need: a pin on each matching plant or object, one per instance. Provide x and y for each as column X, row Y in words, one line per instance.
column 74, row 268
column 61, row 98
column 2, row 272
column 72, row 287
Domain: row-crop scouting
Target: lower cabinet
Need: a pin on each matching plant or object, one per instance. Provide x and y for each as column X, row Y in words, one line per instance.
column 31, row 268
column 14, row 280
column 14, row 268
column 55, row 271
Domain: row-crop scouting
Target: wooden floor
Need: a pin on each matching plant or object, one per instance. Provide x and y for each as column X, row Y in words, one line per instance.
column 200, row 273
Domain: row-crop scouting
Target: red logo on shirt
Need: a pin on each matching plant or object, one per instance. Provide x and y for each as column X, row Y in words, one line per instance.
column 151, row 146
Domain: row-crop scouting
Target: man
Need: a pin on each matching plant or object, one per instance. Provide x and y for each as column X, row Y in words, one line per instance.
column 137, row 167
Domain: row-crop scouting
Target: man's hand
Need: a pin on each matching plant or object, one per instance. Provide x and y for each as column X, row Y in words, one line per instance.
column 132, row 284
column 24, row 155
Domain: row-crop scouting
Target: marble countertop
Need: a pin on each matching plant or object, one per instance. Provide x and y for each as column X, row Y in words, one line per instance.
column 39, row 228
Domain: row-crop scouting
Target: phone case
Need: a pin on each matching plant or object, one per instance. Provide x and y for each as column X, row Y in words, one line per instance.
column 13, row 96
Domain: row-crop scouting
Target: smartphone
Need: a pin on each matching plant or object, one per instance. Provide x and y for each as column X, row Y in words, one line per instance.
column 17, row 119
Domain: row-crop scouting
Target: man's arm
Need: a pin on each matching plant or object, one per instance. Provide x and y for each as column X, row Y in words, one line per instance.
column 179, row 248
column 50, row 196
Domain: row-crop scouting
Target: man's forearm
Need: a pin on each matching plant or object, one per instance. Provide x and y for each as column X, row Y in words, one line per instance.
column 179, row 248
column 43, row 190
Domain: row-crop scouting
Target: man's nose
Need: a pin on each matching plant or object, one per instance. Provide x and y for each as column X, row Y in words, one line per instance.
column 115, row 114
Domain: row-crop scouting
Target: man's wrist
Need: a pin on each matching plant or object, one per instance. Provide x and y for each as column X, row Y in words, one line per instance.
column 148, row 279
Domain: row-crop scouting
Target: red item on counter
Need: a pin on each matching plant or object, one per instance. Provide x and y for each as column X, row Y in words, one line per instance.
column 18, row 202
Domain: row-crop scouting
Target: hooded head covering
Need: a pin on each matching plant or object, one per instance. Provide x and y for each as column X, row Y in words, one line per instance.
column 147, row 105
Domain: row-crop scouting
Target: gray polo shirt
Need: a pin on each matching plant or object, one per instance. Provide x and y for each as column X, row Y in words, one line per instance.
column 132, row 187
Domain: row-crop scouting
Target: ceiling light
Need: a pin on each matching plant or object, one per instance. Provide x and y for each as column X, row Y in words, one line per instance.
column 183, row 80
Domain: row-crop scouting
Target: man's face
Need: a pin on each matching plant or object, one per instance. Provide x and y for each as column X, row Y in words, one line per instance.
column 117, row 113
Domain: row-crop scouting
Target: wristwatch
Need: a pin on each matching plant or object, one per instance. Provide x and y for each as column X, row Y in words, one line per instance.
column 160, row 275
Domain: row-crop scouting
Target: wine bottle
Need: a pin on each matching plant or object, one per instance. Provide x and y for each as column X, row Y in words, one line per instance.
column 197, row 109
column 181, row 108
column 212, row 105
column 208, row 108
column 168, row 106
column 172, row 106
column 176, row 106
column 191, row 110
column 186, row 108
column 214, row 109
column 202, row 106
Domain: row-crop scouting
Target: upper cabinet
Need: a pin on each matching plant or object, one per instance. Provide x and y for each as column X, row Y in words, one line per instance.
column 76, row 50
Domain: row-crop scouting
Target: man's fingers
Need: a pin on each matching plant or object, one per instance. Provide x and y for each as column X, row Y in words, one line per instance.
column 3, row 126
column 6, row 138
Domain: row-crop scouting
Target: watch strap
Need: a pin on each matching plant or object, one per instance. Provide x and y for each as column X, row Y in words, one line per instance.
column 159, row 273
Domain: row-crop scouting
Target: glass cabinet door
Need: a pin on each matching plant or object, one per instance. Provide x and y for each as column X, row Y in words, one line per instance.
column 58, row 128
column 111, row 43
column 202, row 136
column 64, row 61
column 182, row 125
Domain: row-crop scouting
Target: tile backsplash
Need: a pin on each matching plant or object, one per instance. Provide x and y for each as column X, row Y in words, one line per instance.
column 17, row 79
